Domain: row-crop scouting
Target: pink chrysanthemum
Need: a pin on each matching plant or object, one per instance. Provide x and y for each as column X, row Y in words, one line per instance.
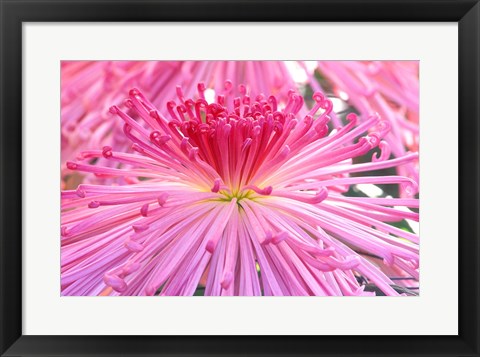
column 246, row 198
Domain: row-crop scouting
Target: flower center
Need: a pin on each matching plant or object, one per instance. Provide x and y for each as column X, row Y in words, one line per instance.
column 239, row 195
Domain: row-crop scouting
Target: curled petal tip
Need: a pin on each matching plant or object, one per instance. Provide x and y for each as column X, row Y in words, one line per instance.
column 133, row 92
column 318, row 97
column 352, row 117
column 128, row 103
column 115, row 282
column 80, row 192
column 144, row 210
column 154, row 114
column 384, row 153
column 280, row 237
column 64, row 231
column 94, row 204
column 107, row 152
column 133, row 246
column 159, row 139
column 162, row 199
column 228, row 85
column 268, row 238
column 265, row 191
column 210, row 247
column 71, row 165
column 150, row 290
column 389, row 260
column 227, row 280
column 216, row 185
column 140, row 227
column 321, row 195
column 410, row 188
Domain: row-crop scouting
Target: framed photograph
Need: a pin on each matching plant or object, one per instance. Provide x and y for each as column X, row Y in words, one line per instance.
column 239, row 178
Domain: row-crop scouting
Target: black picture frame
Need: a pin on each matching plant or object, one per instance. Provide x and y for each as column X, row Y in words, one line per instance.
column 15, row 12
